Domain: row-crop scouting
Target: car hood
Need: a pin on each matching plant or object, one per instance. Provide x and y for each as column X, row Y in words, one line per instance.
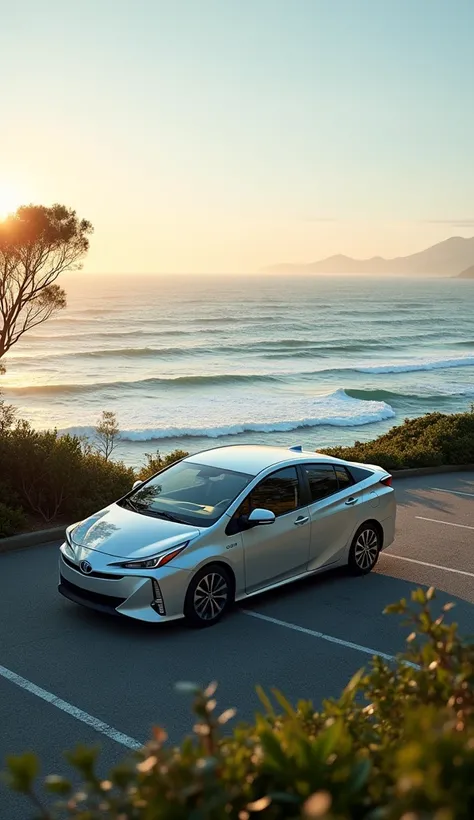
column 123, row 533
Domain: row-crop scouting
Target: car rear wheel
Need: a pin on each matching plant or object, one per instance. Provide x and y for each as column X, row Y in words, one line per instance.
column 208, row 597
column 365, row 549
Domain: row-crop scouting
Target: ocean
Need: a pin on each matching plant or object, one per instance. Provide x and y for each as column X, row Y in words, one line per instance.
column 194, row 362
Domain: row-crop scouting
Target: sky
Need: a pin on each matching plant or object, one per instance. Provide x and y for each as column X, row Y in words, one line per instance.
column 226, row 135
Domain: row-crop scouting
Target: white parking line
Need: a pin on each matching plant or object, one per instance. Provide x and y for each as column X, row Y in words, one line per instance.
column 448, row 523
column 454, row 492
column 64, row 706
column 426, row 564
column 322, row 636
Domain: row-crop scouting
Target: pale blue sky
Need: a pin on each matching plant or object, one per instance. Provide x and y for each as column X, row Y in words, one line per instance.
column 223, row 134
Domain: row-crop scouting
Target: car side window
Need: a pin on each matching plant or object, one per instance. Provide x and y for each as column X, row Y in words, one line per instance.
column 322, row 480
column 278, row 492
column 344, row 478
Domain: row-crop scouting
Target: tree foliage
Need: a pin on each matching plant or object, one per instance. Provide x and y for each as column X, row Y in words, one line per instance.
column 156, row 462
column 8, row 415
column 37, row 244
column 397, row 744
column 107, row 434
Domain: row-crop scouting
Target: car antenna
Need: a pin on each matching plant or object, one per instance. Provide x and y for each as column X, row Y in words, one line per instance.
column 297, row 448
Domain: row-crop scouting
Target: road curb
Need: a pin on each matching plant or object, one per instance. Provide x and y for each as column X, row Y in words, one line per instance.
column 420, row 471
column 33, row 539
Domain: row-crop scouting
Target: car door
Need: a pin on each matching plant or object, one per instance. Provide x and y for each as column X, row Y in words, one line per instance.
column 334, row 509
column 275, row 552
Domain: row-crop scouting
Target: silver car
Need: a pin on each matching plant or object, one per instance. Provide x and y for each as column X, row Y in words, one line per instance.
column 222, row 526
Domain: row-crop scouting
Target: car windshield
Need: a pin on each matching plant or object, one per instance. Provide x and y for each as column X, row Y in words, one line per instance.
column 188, row 493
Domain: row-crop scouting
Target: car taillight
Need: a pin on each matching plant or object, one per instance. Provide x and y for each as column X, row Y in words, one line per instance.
column 387, row 480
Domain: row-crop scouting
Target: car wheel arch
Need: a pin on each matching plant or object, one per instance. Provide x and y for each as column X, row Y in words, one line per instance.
column 368, row 522
column 222, row 565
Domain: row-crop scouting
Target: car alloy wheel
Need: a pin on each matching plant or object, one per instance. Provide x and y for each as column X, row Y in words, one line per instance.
column 364, row 550
column 208, row 596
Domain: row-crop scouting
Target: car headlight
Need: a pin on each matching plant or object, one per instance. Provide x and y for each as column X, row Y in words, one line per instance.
column 70, row 530
column 69, row 549
column 69, row 544
column 154, row 562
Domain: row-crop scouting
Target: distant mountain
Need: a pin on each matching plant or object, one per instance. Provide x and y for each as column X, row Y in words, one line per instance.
column 467, row 274
column 446, row 258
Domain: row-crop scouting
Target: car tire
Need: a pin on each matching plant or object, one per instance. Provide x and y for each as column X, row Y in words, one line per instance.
column 209, row 596
column 365, row 549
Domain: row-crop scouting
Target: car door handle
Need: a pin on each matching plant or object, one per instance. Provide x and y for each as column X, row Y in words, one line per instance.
column 301, row 520
column 350, row 501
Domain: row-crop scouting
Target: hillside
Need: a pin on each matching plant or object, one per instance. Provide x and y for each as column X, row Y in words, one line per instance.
column 467, row 274
column 446, row 258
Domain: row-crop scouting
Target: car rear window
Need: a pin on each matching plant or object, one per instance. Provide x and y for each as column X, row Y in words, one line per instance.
column 359, row 473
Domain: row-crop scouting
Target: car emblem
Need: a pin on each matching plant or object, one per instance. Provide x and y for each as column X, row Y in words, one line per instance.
column 85, row 567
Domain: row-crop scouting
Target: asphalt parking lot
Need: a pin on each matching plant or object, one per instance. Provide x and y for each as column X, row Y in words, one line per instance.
column 69, row 675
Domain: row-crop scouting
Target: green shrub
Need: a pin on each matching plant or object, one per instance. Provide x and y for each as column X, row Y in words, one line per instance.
column 428, row 441
column 156, row 462
column 12, row 520
column 398, row 743
column 53, row 478
column 99, row 483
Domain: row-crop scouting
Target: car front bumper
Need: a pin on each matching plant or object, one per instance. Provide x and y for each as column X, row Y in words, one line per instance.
column 147, row 598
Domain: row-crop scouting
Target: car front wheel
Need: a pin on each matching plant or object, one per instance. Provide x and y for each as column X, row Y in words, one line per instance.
column 209, row 596
column 365, row 549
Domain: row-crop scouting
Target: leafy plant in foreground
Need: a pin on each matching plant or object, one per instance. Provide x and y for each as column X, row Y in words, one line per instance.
column 398, row 743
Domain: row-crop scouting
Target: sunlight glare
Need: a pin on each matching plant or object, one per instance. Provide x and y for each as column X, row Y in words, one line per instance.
column 10, row 200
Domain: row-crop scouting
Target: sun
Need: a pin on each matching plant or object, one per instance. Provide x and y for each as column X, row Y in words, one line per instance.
column 10, row 199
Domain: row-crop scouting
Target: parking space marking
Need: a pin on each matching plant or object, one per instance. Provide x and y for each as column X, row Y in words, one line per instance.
column 454, row 492
column 322, row 636
column 426, row 564
column 64, row 706
column 448, row 523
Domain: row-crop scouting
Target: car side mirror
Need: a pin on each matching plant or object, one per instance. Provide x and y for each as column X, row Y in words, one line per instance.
column 259, row 517
column 136, row 484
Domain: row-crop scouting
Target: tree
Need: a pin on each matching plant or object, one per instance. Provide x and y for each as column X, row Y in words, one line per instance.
column 107, row 434
column 37, row 244
column 7, row 416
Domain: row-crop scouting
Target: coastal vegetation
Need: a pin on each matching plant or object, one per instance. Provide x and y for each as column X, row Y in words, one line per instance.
column 431, row 440
column 51, row 479
column 398, row 744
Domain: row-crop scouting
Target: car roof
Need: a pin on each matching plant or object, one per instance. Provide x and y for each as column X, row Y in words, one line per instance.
column 252, row 459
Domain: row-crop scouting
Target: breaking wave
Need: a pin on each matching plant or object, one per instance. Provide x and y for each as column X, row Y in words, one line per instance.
column 336, row 409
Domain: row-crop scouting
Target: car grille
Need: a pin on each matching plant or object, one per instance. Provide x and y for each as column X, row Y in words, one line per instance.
column 103, row 603
column 93, row 574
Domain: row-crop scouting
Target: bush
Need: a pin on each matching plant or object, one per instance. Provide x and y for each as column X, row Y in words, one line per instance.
column 428, row 441
column 398, row 743
column 54, row 479
column 156, row 462
column 12, row 520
